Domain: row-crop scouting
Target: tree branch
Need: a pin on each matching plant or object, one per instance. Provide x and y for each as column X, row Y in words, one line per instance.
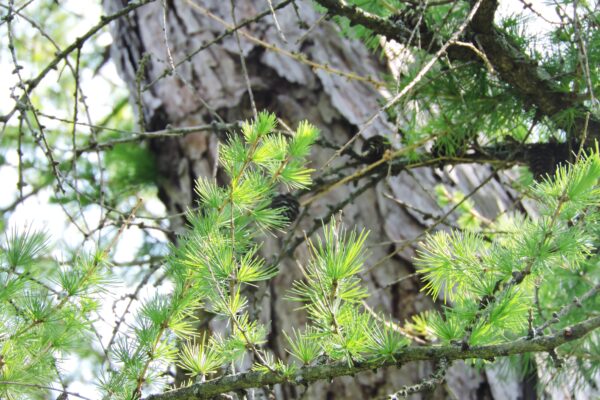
column 541, row 158
column 531, row 82
column 310, row 374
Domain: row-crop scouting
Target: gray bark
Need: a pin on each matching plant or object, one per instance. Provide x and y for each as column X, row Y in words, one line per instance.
column 295, row 92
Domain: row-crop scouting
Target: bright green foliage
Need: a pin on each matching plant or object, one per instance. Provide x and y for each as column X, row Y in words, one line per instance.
column 45, row 311
column 218, row 256
column 200, row 359
column 332, row 273
column 216, row 259
column 332, row 293
column 498, row 280
column 387, row 341
column 534, row 265
column 303, row 346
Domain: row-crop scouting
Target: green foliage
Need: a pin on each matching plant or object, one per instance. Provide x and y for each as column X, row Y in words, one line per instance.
column 332, row 293
column 498, row 280
column 200, row 359
column 387, row 341
column 45, row 311
column 129, row 164
column 492, row 283
column 216, row 258
column 464, row 104
column 467, row 105
column 305, row 346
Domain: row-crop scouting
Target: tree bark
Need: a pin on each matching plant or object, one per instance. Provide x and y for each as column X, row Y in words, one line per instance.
column 212, row 84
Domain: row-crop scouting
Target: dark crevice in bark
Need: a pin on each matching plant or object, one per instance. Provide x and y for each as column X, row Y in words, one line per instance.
column 180, row 22
column 330, row 395
column 133, row 45
column 158, row 121
column 530, row 383
column 484, row 392
column 395, row 300
column 273, row 330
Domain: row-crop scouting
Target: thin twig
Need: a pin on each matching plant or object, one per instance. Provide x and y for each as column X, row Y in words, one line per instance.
column 243, row 59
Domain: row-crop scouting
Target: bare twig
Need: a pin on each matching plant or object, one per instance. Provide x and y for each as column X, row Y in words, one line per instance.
column 243, row 58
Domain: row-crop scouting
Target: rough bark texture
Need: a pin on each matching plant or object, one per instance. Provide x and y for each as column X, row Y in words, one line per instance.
column 294, row 91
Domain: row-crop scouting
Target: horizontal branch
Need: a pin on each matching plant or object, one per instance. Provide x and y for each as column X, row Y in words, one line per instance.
column 216, row 127
column 310, row 374
column 541, row 158
column 396, row 29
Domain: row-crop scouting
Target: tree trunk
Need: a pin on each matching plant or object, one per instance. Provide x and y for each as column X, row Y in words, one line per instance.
column 212, row 84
